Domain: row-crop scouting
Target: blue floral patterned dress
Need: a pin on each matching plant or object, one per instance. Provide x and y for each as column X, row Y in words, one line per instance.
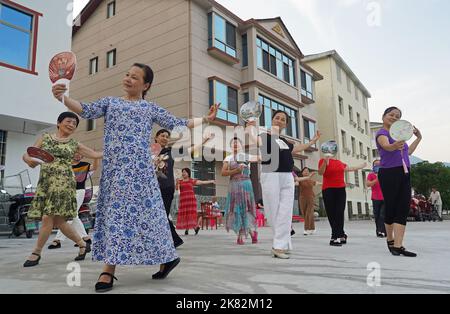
column 131, row 226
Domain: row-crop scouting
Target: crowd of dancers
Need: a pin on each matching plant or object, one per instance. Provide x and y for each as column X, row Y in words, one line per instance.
column 132, row 218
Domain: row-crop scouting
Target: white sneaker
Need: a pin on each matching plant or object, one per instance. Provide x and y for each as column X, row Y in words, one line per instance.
column 311, row 232
column 306, row 232
column 280, row 254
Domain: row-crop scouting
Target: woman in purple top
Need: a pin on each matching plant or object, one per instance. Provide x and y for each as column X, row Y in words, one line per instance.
column 394, row 181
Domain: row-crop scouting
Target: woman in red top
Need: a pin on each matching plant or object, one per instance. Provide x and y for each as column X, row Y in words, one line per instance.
column 377, row 199
column 334, row 195
column 187, row 210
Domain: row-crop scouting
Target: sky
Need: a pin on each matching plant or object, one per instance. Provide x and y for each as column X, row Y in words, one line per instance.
column 399, row 50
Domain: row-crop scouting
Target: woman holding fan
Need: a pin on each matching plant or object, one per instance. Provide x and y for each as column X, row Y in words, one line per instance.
column 55, row 201
column 131, row 223
column 395, row 180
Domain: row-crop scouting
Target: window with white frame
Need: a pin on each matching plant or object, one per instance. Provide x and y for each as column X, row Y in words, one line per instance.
column 353, row 146
column 221, row 34
column 344, row 139
column 275, row 61
column 93, row 66
column 18, row 37
column 204, row 170
column 228, row 98
column 111, row 58
column 309, row 129
column 269, row 106
column 350, row 113
column 111, row 9
column 307, row 84
column 349, row 84
column 356, row 178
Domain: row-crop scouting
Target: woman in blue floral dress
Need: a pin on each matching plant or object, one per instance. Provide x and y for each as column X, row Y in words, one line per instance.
column 131, row 224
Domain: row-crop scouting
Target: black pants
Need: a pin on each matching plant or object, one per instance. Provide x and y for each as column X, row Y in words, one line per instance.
column 396, row 187
column 378, row 213
column 167, row 195
column 334, row 200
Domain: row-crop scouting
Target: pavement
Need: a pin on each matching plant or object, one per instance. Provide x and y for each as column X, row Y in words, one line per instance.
column 211, row 263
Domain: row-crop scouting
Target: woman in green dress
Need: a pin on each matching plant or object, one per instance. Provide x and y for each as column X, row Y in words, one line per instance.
column 55, row 200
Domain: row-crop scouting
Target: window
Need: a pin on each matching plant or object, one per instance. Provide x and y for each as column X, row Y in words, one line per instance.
column 111, row 58
column 93, row 66
column 227, row 97
column 367, row 209
column 222, row 34
column 353, row 146
column 350, row 113
column 244, row 51
column 204, row 170
column 18, row 38
column 274, row 61
column 111, row 9
column 366, row 127
column 365, row 102
column 359, row 208
column 358, row 119
column 309, row 128
column 338, row 73
column 269, row 106
column 246, row 97
column 3, row 136
column 361, row 149
column 349, row 84
column 307, row 84
column 350, row 209
column 91, row 125
column 356, row 93
column 344, row 139
column 341, row 105
column 368, row 155
column 356, row 178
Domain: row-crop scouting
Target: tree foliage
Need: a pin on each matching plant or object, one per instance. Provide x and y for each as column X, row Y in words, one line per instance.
column 425, row 175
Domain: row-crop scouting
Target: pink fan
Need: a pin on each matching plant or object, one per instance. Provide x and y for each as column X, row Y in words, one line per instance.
column 62, row 68
column 156, row 149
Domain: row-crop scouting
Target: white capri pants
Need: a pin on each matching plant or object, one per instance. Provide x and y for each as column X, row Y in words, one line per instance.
column 278, row 190
column 76, row 222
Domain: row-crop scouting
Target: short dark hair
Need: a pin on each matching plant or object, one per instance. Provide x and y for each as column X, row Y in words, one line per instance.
column 148, row 75
column 301, row 171
column 188, row 171
column 390, row 109
column 162, row 131
column 68, row 114
column 281, row 111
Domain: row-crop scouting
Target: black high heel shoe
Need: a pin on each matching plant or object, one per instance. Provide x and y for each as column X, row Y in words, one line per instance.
column 197, row 230
column 54, row 246
column 344, row 239
column 105, row 286
column 29, row 263
column 390, row 245
column 168, row 267
column 81, row 257
column 402, row 251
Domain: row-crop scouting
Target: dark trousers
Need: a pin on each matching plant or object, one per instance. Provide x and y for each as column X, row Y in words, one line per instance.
column 167, row 195
column 396, row 187
column 334, row 200
column 378, row 213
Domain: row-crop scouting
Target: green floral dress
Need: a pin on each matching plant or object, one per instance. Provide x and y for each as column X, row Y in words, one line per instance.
column 56, row 189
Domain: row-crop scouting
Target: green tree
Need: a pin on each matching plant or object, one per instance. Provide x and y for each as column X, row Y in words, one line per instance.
column 424, row 176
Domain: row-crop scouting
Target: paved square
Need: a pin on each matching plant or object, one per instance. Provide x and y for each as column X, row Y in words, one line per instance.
column 213, row 263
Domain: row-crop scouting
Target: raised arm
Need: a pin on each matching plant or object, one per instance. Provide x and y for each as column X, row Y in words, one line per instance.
column 301, row 147
column 205, row 140
column 192, row 123
column 413, row 146
column 351, row 169
column 384, row 143
column 88, row 152
column 27, row 159
column 199, row 182
column 58, row 92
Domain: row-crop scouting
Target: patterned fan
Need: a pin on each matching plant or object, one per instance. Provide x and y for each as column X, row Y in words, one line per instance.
column 62, row 66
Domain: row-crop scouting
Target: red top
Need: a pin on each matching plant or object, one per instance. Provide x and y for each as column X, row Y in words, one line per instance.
column 377, row 194
column 334, row 174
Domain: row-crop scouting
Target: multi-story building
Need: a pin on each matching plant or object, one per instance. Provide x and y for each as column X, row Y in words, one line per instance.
column 31, row 32
column 201, row 54
column 374, row 128
column 341, row 100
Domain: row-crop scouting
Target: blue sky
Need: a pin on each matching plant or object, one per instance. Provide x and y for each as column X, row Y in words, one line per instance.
column 399, row 49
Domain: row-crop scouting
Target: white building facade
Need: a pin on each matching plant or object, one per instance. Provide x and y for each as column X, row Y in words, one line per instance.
column 31, row 32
